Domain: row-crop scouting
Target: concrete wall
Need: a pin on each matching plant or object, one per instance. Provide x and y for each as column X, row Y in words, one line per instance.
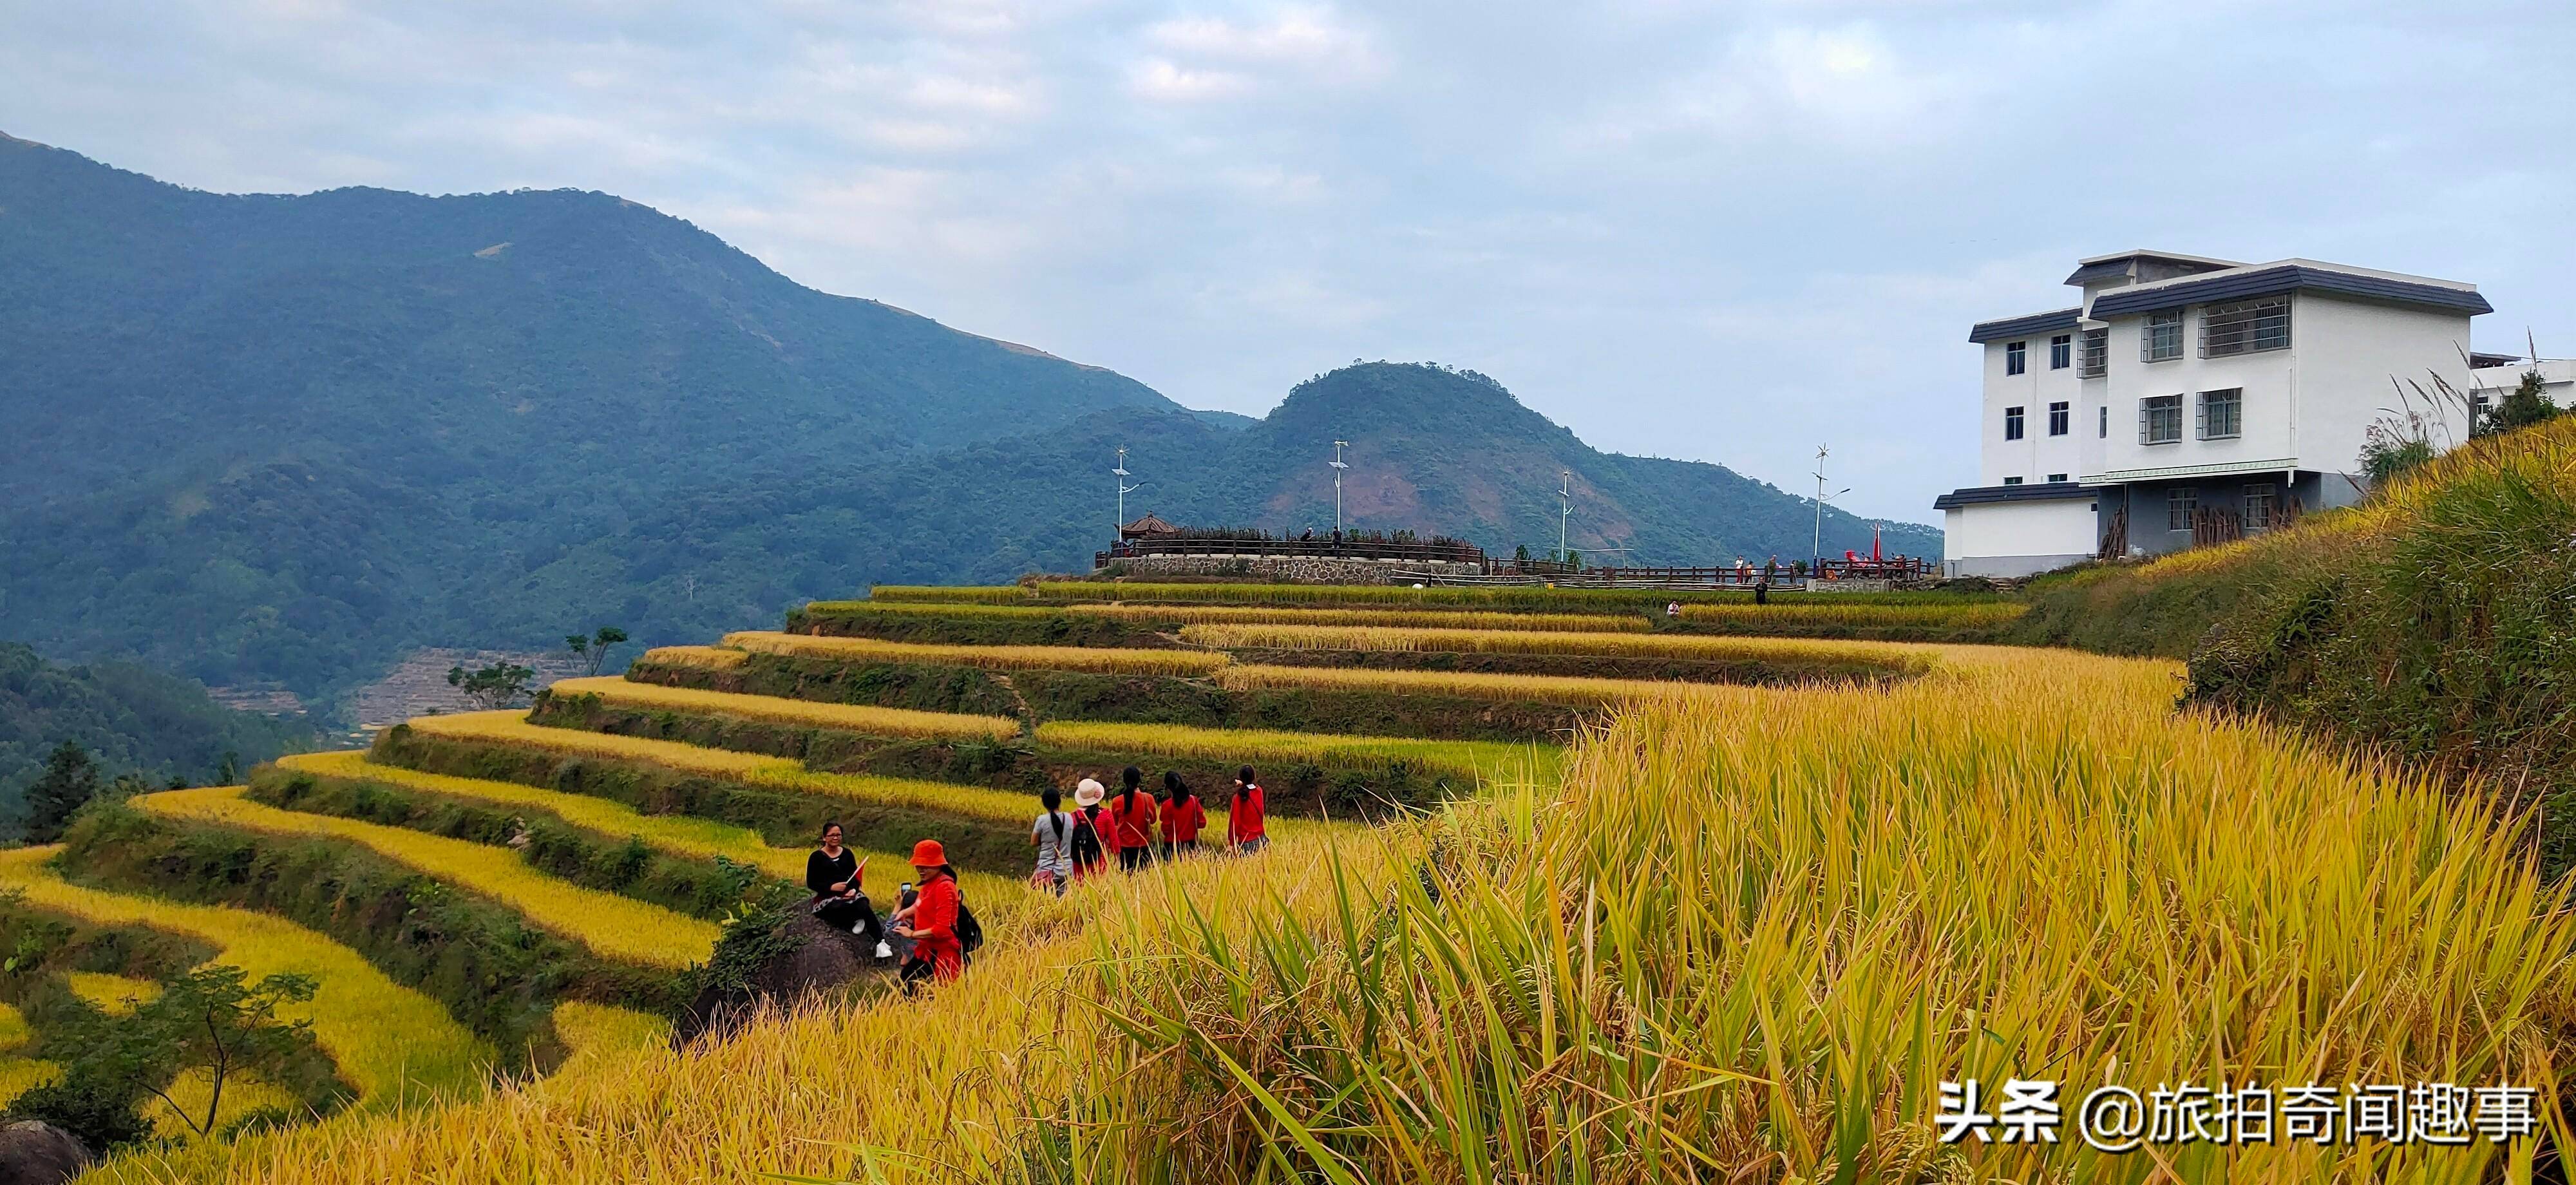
column 2019, row 538
column 2348, row 352
column 1304, row 569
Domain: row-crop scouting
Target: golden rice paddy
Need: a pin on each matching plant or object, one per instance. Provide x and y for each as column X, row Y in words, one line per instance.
column 1574, row 690
column 873, row 721
column 712, row 658
column 1001, row 658
column 611, row 926
column 1672, row 646
column 393, row 1044
column 1444, row 618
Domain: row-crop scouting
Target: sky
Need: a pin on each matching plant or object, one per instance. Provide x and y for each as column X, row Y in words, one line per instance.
column 1721, row 232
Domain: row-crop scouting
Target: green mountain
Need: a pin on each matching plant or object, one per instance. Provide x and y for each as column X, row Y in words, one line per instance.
column 132, row 720
column 285, row 439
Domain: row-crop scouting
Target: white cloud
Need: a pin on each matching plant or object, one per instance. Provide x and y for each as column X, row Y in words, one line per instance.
column 1721, row 232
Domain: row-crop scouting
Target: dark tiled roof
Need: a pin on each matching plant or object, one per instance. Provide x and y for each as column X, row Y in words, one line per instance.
column 2101, row 271
column 2054, row 491
column 2285, row 278
column 1987, row 331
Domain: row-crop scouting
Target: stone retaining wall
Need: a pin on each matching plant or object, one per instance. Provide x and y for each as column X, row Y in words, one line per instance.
column 1301, row 569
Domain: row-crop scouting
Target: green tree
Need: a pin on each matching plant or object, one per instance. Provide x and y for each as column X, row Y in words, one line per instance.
column 594, row 649
column 70, row 780
column 2522, row 407
column 500, row 685
column 211, row 1018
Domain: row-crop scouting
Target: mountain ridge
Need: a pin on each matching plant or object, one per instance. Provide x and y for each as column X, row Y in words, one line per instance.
column 286, row 439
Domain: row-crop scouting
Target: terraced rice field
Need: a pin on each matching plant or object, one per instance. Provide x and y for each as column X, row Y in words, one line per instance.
column 609, row 925
column 1467, row 760
column 1827, row 611
column 511, row 728
column 1680, row 646
column 1577, row 691
column 1442, row 618
column 965, row 609
column 677, row 835
column 998, row 658
column 713, row 658
column 990, row 594
column 18, row 1075
column 395, row 1045
column 603, row 1038
column 115, row 995
column 873, row 721
column 243, row 1094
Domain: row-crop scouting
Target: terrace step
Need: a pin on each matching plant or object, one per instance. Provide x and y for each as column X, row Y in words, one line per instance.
column 397, row 1046
column 608, row 925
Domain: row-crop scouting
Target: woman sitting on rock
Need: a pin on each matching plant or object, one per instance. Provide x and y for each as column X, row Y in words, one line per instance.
column 833, row 874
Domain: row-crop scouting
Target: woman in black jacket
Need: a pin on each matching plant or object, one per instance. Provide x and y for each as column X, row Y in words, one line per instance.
column 833, row 874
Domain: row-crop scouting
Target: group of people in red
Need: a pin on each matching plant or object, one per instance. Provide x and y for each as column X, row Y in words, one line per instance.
column 1136, row 828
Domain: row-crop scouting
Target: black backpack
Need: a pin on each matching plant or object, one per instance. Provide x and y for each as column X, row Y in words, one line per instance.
column 970, row 933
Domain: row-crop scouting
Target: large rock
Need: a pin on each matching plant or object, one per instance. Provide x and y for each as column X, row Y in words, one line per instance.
column 820, row 958
column 33, row 1152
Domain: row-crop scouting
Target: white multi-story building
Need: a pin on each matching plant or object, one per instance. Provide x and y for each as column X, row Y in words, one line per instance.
column 2188, row 398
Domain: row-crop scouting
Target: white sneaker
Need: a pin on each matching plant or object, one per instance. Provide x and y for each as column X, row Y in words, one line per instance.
column 858, row 927
column 884, row 951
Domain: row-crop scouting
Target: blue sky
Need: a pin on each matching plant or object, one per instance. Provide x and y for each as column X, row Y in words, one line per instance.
column 1719, row 232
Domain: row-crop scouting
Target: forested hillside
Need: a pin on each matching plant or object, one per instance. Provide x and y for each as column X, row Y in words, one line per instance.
column 131, row 719
column 271, row 439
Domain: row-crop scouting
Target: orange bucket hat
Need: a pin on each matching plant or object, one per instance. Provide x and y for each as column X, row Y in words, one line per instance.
column 928, row 854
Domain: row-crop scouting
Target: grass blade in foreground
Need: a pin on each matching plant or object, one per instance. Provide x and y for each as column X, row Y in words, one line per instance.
column 609, row 925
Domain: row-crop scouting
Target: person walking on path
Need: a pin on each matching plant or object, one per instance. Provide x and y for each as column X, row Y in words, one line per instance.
column 1090, row 831
column 1184, row 816
column 1135, row 813
column 832, row 874
column 1052, row 835
column 937, row 953
column 1244, row 832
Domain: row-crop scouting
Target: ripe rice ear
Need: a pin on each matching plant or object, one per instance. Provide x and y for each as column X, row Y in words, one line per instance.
column 1003, row 658
column 859, row 718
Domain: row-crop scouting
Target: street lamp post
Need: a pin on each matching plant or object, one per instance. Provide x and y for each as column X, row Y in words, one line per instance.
column 1816, row 544
column 1338, row 467
column 1124, row 489
column 1564, row 508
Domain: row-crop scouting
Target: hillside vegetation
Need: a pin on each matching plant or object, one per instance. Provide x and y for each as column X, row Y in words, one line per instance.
column 132, row 720
column 2437, row 622
column 264, row 438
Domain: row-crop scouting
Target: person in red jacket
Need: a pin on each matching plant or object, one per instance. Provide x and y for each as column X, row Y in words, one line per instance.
column 1243, row 829
column 1183, row 817
column 1134, row 814
column 936, row 951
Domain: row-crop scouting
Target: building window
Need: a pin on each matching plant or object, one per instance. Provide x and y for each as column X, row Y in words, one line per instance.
column 2057, row 417
column 2222, row 414
column 2097, row 353
column 2164, row 337
column 2180, row 504
column 2160, row 419
column 2061, row 351
column 2056, row 478
column 2260, row 509
column 2016, row 357
column 2102, row 426
column 2012, row 423
column 2245, row 327
column 2012, row 481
